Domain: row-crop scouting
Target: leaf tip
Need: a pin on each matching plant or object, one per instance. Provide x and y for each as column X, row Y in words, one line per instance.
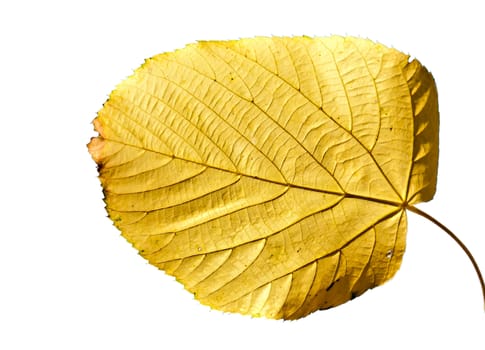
column 95, row 148
column 96, row 144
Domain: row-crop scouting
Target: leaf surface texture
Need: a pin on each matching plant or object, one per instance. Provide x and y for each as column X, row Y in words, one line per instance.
column 270, row 176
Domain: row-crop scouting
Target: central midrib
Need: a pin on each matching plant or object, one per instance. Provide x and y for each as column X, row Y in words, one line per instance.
column 402, row 204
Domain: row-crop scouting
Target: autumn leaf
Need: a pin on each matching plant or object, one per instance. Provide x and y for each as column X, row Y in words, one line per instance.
column 270, row 176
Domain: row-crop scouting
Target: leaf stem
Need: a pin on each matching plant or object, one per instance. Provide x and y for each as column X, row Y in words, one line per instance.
column 457, row 240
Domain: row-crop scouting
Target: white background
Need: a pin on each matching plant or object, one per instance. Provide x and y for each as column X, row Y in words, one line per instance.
column 69, row 281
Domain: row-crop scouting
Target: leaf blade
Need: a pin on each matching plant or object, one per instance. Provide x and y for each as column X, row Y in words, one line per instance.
column 270, row 175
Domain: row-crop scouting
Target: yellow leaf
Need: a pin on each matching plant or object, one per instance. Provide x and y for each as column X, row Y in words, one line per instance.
column 270, row 176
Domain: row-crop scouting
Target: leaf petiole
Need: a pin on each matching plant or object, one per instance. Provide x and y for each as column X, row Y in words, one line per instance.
column 457, row 240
